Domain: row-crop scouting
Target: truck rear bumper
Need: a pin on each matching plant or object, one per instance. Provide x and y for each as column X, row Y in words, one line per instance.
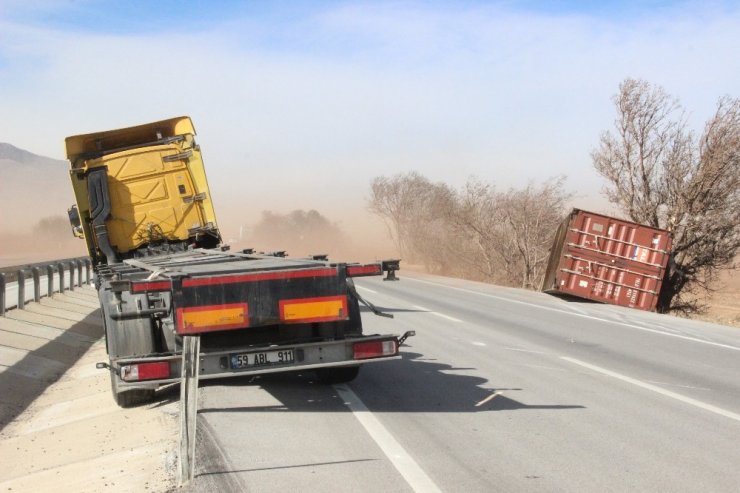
column 149, row 372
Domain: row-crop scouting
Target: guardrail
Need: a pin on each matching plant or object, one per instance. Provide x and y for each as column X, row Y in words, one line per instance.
column 18, row 283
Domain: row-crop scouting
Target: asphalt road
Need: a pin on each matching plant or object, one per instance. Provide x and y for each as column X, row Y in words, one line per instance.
column 500, row 390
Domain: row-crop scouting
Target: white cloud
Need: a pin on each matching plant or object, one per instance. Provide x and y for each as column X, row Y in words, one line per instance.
column 318, row 106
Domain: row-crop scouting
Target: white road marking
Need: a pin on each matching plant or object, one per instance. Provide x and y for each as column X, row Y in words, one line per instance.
column 476, row 343
column 543, row 367
column 659, row 390
column 524, row 350
column 677, row 385
column 487, row 399
column 401, row 460
column 363, row 288
column 591, row 317
column 442, row 315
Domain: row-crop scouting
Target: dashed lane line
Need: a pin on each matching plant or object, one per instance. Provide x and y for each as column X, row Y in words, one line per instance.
column 441, row 315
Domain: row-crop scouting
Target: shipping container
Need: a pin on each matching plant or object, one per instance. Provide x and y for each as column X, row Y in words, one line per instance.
column 609, row 260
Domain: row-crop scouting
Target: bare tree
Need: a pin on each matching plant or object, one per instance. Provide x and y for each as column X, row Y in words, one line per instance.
column 532, row 216
column 479, row 218
column 393, row 200
column 512, row 231
column 431, row 240
column 415, row 212
column 661, row 175
column 475, row 233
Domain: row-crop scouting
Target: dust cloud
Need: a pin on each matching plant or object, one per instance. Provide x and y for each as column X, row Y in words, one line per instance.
column 359, row 237
column 355, row 235
column 49, row 239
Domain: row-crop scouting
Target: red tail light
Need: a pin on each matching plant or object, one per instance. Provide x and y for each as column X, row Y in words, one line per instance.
column 374, row 349
column 145, row 371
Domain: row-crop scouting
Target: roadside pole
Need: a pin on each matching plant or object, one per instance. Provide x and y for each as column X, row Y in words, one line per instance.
column 188, row 408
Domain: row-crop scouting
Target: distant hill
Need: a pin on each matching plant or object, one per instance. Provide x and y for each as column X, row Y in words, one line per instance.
column 10, row 152
column 32, row 187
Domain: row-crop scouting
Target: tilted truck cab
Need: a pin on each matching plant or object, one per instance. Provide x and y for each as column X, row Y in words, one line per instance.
column 142, row 190
column 145, row 211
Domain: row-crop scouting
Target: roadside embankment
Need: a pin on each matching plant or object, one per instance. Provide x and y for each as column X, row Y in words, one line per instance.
column 60, row 429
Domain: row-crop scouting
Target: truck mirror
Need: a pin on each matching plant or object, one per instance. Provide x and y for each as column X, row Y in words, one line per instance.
column 74, row 221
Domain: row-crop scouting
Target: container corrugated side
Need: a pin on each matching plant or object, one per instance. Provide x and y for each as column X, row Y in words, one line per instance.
column 606, row 259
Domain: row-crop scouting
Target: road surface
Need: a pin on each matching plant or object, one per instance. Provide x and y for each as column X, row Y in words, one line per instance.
column 500, row 390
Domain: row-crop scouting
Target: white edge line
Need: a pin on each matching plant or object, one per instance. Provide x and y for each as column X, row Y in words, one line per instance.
column 401, row 460
column 688, row 338
column 659, row 390
column 363, row 288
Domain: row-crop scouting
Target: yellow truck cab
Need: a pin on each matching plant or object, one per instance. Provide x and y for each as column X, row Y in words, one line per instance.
column 141, row 190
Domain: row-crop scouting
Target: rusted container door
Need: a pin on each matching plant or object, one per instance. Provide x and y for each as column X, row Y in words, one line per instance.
column 609, row 260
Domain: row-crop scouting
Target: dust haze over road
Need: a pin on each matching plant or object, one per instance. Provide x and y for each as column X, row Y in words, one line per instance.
column 35, row 193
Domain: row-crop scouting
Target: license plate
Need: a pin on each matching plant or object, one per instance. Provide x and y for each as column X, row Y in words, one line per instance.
column 250, row 360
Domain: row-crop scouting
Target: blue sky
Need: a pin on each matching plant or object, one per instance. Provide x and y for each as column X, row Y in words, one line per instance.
column 300, row 104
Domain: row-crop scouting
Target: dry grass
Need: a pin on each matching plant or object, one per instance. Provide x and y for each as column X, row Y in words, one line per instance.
column 724, row 303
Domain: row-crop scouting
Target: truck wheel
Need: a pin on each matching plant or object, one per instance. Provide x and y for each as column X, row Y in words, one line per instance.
column 340, row 374
column 129, row 398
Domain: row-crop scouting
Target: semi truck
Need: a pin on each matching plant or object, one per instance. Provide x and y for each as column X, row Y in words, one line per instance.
column 162, row 272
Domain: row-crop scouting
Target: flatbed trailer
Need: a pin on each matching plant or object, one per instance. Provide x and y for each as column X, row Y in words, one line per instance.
column 162, row 274
column 255, row 314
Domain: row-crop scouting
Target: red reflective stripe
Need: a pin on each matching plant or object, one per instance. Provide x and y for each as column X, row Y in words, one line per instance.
column 139, row 287
column 359, row 270
column 154, row 371
column 264, row 276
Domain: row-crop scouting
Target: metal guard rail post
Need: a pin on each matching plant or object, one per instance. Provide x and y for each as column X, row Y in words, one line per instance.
column 2, row 294
column 35, row 272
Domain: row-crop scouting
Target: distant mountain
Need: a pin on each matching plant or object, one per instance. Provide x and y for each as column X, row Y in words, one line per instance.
column 10, row 152
column 32, row 187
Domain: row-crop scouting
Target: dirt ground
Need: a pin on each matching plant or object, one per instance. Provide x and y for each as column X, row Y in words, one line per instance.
column 724, row 303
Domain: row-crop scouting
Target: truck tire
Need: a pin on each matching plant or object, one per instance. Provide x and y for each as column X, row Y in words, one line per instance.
column 130, row 398
column 339, row 374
